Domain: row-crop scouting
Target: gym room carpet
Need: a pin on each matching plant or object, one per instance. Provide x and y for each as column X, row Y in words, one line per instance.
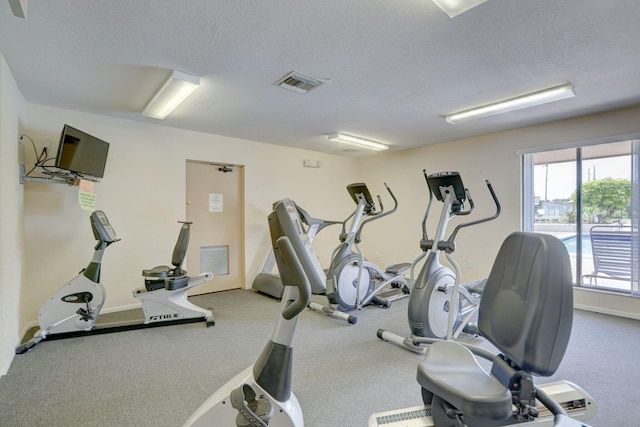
column 341, row 375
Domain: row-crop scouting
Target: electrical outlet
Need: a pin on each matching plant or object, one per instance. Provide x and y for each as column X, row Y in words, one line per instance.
column 469, row 263
column 46, row 144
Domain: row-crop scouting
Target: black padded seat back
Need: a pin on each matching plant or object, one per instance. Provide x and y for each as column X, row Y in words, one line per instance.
column 182, row 244
column 526, row 309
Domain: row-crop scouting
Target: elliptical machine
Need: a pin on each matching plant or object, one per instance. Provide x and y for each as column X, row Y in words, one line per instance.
column 74, row 309
column 352, row 281
column 261, row 394
column 439, row 307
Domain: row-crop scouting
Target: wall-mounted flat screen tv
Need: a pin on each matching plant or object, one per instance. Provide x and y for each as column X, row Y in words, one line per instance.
column 81, row 153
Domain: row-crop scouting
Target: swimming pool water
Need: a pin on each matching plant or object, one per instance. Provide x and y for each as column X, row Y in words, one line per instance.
column 571, row 242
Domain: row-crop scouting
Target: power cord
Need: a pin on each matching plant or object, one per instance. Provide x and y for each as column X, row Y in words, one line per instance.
column 41, row 158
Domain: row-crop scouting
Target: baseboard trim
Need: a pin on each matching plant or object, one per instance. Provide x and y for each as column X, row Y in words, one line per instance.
column 603, row 310
column 607, row 302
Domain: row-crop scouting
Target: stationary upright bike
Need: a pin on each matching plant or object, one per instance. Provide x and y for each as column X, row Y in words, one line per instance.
column 439, row 307
column 74, row 309
column 352, row 281
column 261, row 395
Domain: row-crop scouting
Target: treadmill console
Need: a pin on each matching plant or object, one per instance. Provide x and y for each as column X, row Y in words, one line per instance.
column 102, row 229
column 285, row 221
column 359, row 191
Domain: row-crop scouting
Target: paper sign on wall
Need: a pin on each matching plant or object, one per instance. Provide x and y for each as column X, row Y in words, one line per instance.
column 86, row 196
column 215, row 203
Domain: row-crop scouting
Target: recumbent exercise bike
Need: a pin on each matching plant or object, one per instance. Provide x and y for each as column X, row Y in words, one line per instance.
column 74, row 309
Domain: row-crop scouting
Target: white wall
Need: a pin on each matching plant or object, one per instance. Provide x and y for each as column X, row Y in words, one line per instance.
column 492, row 157
column 143, row 194
column 12, row 108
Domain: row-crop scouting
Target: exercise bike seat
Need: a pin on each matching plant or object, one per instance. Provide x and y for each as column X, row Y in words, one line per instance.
column 163, row 276
column 468, row 387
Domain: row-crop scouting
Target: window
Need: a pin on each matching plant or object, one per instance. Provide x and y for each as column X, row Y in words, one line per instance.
column 588, row 197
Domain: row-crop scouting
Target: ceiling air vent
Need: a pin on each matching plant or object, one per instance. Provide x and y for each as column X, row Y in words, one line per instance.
column 299, row 82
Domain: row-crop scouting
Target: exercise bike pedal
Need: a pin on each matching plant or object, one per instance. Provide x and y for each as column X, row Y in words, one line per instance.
column 85, row 314
column 253, row 410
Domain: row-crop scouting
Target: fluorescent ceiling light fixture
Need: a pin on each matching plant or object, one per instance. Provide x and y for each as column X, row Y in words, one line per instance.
column 525, row 101
column 456, row 7
column 175, row 90
column 355, row 141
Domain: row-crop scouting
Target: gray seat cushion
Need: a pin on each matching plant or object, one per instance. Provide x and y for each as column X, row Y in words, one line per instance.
column 452, row 372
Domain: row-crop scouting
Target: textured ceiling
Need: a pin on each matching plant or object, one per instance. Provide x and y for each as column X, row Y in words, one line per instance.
column 396, row 67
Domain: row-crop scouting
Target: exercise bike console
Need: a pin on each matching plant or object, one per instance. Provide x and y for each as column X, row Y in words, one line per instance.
column 102, row 229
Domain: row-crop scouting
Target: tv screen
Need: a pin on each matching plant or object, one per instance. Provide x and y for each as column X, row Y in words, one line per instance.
column 81, row 153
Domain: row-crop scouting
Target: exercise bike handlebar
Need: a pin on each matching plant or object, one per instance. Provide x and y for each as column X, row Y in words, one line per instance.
column 283, row 244
column 479, row 221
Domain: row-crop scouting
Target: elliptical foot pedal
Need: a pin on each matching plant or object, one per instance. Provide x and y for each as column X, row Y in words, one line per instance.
column 477, row 287
column 381, row 302
column 471, row 329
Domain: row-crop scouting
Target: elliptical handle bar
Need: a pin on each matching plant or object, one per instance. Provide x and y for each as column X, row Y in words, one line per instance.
column 479, row 221
column 381, row 205
column 382, row 212
column 471, row 204
column 425, row 237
